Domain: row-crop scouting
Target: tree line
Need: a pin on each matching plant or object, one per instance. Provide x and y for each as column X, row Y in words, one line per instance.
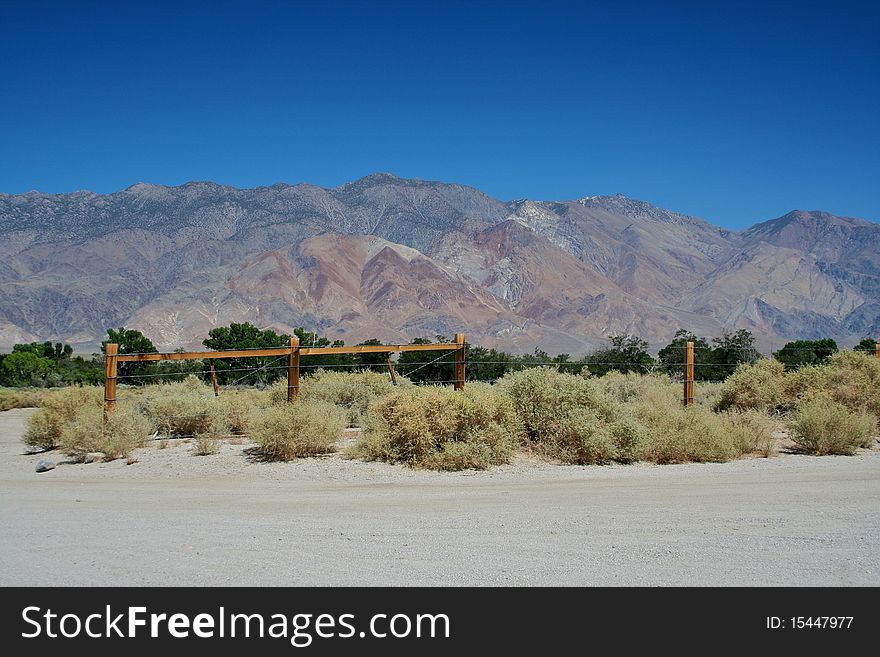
column 53, row 364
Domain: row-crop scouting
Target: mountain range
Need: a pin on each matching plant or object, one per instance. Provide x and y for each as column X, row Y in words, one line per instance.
column 396, row 258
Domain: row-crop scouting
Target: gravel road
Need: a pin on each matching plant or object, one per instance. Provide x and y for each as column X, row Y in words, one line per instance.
column 174, row 518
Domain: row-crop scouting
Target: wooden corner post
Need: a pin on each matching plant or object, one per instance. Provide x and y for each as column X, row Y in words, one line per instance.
column 689, row 374
column 459, row 362
column 110, row 354
column 293, row 370
column 877, row 349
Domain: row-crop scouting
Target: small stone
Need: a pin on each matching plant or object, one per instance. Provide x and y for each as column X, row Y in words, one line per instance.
column 93, row 457
column 44, row 465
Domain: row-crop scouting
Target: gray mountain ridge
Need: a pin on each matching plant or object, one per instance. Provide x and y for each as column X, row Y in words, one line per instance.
column 396, row 258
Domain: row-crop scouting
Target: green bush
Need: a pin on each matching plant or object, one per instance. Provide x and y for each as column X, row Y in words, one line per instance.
column 824, row 426
column 57, row 409
column 87, row 431
column 287, row 431
column 757, row 387
column 442, row 429
column 185, row 408
column 573, row 419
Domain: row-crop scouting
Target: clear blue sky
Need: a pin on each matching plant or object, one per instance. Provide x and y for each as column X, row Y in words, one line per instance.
column 735, row 112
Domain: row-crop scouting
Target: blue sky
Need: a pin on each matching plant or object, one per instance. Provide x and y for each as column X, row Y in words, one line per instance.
column 737, row 112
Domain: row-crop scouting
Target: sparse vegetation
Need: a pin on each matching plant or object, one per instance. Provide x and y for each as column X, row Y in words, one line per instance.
column 115, row 437
column 555, row 412
column 57, row 410
column 572, row 418
column 756, row 430
column 285, row 432
column 19, row 398
column 351, row 391
column 205, row 444
column 676, row 434
column 824, row 426
column 240, row 406
column 185, row 408
column 753, row 387
column 441, row 429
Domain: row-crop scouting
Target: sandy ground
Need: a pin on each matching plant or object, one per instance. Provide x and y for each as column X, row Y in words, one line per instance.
column 174, row 518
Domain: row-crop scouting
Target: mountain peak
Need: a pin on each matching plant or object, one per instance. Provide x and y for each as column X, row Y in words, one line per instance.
column 635, row 209
column 378, row 178
column 810, row 220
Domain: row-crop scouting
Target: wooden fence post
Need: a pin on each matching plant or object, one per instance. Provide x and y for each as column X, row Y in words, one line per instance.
column 877, row 349
column 391, row 369
column 293, row 370
column 689, row 374
column 459, row 362
column 110, row 351
column 214, row 380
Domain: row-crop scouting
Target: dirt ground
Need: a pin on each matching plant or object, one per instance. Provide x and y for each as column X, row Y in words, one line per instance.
column 174, row 518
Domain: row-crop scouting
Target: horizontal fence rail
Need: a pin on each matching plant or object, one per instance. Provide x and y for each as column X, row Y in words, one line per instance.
column 285, row 351
column 293, row 352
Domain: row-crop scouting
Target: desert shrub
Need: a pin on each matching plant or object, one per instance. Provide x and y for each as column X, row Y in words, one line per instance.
column 540, row 394
column 574, row 419
column 679, row 434
column 855, row 381
column 631, row 387
column 706, row 393
column 442, row 429
column 804, row 384
column 57, row 409
column 205, row 444
column 754, row 430
column 757, row 387
column 824, row 426
column 19, row 398
column 850, row 378
column 351, row 391
column 288, row 431
column 240, row 406
column 87, row 431
column 185, row 408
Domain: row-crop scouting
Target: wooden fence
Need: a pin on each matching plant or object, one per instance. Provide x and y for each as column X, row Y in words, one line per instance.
column 293, row 352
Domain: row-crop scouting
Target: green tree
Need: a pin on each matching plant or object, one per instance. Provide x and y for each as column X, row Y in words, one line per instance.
column 626, row 354
column 81, row 371
column 805, row 352
column 868, row 344
column 370, row 361
column 733, row 349
column 258, row 369
column 427, row 366
column 131, row 341
column 25, row 368
column 56, row 352
column 672, row 356
column 328, row 361
column 487, row 364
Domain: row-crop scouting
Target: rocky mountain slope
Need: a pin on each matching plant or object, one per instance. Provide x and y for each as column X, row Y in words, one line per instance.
column 395, row 259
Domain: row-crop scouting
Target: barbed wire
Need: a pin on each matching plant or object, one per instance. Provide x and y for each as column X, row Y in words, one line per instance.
column 423, row 364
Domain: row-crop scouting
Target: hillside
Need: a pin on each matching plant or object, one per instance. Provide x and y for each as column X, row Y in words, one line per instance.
column 395, row 259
